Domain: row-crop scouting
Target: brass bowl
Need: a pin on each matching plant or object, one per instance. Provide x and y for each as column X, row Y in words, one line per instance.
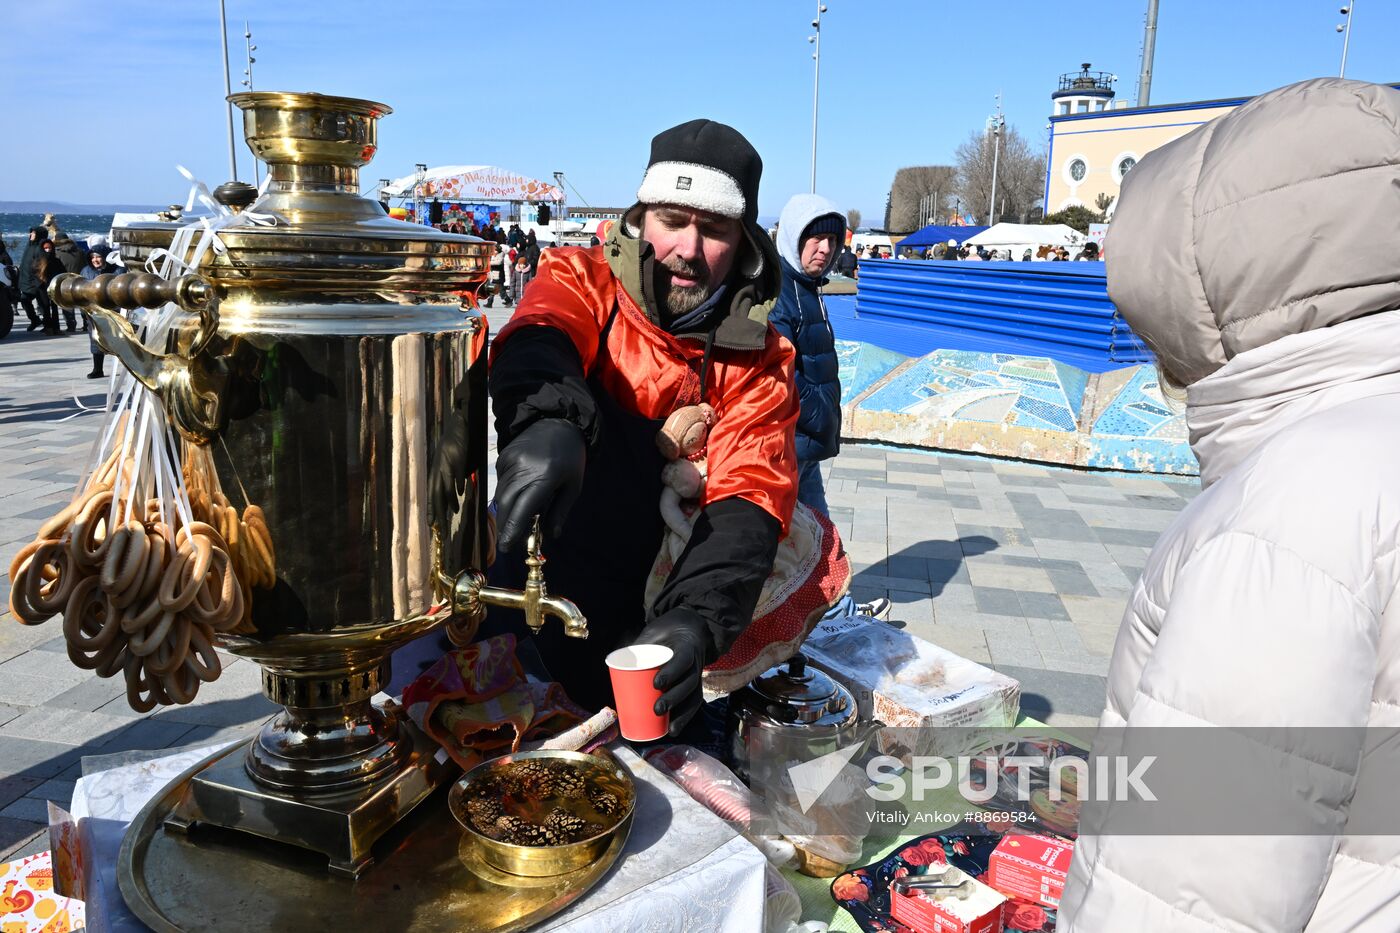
column 543, row 861
column 311, row 129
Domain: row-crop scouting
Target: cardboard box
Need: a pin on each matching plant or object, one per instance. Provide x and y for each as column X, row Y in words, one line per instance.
column 903, row 681
column 932, row 912
column 1031, row 867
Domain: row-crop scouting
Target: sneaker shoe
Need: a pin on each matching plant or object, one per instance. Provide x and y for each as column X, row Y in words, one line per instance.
column 877, row 608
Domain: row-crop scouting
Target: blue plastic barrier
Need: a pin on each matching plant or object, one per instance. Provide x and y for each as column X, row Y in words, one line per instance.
column 1055, row 309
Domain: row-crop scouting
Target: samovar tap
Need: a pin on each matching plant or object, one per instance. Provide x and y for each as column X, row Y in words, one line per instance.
column 471, row 594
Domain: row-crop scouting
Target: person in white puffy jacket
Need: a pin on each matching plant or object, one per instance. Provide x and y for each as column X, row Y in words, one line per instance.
column 1257, row 257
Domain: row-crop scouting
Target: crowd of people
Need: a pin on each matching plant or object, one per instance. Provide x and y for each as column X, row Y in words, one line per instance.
column 952, row 250
column 24, row 283
column 513, row 265
column 848, row 261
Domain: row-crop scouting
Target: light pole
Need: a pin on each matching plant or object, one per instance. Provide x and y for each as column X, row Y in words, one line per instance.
column 420, row 174
column 1345, row 30
column 1149, row 46
column 563, row 199
column 997, row 123
column 228, row 89
column 816, row 41
column 248, row 83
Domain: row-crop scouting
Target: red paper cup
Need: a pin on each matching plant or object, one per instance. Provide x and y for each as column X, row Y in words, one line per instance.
column 633, row 670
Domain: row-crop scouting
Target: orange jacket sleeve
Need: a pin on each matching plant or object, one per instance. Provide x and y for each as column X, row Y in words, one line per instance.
column 569, row 295
column 752, row 451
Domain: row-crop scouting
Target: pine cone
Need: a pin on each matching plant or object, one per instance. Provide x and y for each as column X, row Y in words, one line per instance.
column 483, row 813
column 535, row 778
column 568, row 783
column 520, row 832
column 566, row 826
column 605, row 802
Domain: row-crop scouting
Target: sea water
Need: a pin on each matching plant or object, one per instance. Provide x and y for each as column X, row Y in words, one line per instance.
column 14, row 227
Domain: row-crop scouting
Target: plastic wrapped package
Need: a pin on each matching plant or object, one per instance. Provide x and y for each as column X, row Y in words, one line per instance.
column 901, row 680
column 827, row 843
column 719, row 790
column 706, row 779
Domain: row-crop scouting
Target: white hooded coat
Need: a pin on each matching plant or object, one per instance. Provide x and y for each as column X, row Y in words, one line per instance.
column 1270, row 284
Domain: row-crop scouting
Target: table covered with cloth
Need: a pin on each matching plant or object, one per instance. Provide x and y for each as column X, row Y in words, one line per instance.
column 682, row 868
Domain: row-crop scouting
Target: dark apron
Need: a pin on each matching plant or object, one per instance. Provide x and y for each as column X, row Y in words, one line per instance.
column 604, row 557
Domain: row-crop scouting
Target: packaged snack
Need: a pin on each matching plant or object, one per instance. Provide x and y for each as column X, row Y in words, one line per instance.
column 1031, row 867
column 901, row 680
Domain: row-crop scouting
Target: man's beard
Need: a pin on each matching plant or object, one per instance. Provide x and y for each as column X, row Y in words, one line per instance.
column 678, row 299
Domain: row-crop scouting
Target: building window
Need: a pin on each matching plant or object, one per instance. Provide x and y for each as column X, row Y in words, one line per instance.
column 1100, row 105
column 1123, row 164
column 1083, row 106
column 1064, row 108
column 1078, row 168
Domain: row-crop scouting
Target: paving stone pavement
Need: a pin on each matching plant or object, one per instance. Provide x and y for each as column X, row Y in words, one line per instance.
column 1023, row 567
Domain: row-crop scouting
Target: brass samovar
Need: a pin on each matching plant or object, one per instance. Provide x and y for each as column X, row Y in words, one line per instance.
column 333, row 364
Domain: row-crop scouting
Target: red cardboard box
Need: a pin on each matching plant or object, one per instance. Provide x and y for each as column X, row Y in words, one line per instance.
column 925, row 912
column 1031, row 867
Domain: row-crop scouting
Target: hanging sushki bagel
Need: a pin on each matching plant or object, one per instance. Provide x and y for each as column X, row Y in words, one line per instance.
column 247, row 542
column 146, row 595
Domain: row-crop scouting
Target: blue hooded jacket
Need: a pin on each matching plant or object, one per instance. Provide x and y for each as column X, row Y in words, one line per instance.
column 800, row 315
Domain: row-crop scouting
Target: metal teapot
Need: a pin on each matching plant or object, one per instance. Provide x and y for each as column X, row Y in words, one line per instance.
column 786, row 705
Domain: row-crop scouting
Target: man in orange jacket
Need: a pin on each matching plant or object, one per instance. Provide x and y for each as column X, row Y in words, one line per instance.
column 670, row 311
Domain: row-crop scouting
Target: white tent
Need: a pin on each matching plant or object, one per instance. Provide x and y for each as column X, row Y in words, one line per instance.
column 1004, row 236
column 872, row 239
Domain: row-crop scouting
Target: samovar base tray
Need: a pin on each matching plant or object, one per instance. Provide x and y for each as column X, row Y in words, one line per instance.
column 425, row 876
column 343, row 827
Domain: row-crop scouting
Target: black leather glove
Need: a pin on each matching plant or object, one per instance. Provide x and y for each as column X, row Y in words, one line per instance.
column 448, row 478
column 684, row 632
column 540, row 472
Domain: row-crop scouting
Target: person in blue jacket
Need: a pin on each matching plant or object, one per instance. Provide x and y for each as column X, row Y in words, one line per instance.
column 811, row 233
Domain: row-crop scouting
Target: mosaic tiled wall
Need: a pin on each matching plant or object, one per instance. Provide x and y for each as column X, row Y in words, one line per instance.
column 1028, row 407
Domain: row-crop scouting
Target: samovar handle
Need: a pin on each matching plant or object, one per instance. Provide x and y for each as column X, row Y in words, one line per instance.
column 187, row 385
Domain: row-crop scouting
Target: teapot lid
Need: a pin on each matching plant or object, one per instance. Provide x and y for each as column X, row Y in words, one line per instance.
column 796, row 693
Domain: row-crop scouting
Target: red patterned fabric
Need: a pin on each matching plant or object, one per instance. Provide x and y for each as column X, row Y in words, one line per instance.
column 777, row 634
column 476, row 703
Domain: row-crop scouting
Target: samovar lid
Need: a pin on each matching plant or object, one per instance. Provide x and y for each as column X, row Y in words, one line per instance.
column 317, row 234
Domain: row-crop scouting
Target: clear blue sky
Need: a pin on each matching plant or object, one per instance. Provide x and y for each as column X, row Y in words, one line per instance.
column 105, row 98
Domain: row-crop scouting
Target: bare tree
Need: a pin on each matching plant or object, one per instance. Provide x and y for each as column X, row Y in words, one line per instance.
column 1019, row 173
column 911, row 185
column 853, row 220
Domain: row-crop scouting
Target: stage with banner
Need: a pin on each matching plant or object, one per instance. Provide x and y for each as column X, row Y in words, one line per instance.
column 475, row 192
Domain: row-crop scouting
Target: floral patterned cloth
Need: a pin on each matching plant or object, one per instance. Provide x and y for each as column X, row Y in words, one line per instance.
column 477, row 703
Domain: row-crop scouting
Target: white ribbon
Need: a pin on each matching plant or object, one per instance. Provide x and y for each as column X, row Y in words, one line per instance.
column 148, row 436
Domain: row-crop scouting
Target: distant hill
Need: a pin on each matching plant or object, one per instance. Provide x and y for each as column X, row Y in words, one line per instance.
column 67, row 207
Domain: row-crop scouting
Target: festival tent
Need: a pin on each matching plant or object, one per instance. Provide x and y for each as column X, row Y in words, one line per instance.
column 871, row 239
column 475, row 183
column 934, row 234
column 1003, row 236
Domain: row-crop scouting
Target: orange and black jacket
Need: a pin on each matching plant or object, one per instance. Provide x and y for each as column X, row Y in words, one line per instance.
column 549, row 362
